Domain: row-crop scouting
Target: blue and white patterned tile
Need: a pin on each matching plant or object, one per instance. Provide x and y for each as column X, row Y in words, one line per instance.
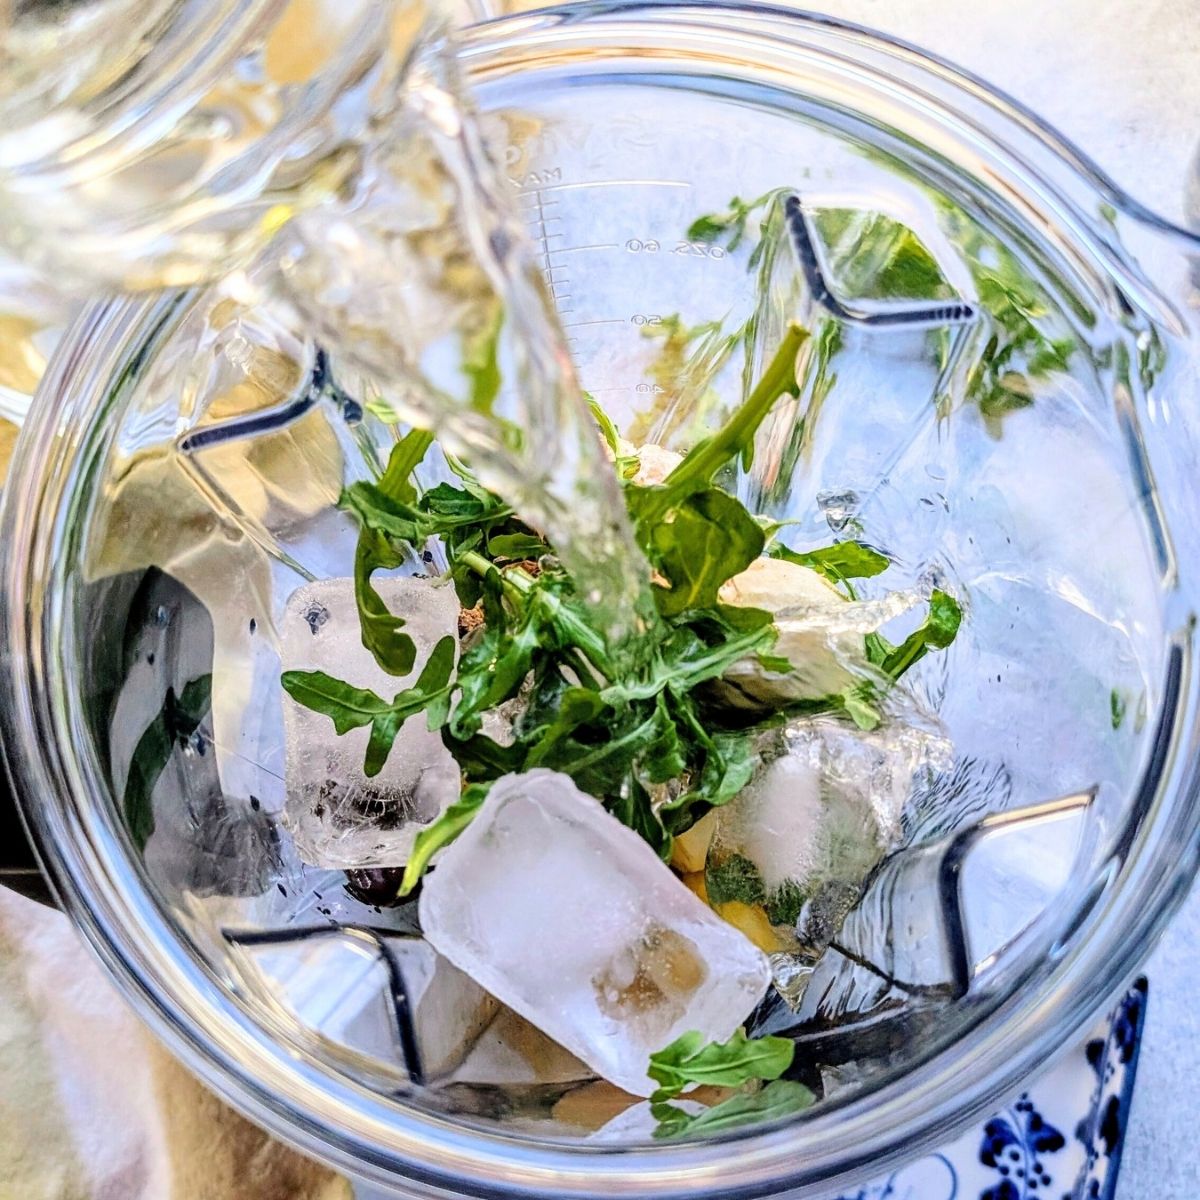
column 1060, row 1139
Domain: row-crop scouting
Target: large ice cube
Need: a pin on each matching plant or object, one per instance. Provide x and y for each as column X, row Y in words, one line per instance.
column 567, row 916
column 339, row 817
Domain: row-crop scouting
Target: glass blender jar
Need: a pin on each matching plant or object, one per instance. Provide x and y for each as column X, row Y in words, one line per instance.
column 1023, row 435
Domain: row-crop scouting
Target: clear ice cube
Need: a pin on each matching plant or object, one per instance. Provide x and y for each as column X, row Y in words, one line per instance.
column 511, row 1052
column 568, row 917
column 339, row 817
column 809, row 829
column 339, row 986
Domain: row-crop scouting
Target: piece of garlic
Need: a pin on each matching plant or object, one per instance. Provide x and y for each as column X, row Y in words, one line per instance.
column 808, row 612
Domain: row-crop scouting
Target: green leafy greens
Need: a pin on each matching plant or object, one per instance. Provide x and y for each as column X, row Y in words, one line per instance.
column 741, row 1061
column 178, row 719
column 639, row 730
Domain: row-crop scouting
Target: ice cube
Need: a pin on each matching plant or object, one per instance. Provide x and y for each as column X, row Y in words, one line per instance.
column 571, row 919
column 513, row 1053
column 339, row 817
column 339, row 986
column 802, row 838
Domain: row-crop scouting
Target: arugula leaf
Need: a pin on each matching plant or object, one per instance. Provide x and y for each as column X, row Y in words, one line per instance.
column 608, row 430
column 483, row 759
column 178, row 719
column 877, row 258
column 735, row 1063
column 691, row 1060
column 481, row 364
column 603, row 766
column 553, row 745
column 441, row 833
column 1024, row 345
column 939, row 630
column 346, row 706
column 708, row 538
column 406, row 456
column 735, row 437
column 634, row 808
column 779, row 1099
column 493, row 669
column 381, row 630
column 858, row 703
column 684, row 659
column 350, row 707
column 1117, row 706
column 842, row 560
column 729, row 225
column 516, row 547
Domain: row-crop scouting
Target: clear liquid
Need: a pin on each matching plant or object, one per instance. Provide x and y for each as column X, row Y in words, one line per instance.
column 424, row 274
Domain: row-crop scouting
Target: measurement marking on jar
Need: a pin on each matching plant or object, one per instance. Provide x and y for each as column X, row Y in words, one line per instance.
column 536, row 198
column 580, row 249
column 596, row 183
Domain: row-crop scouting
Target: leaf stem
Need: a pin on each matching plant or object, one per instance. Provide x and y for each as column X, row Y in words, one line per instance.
column 519, row 585
column 714, row 452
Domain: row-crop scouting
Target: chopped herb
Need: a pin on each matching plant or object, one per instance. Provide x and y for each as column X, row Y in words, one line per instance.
column 733, row 878
column 784, row 905
column 1117, row 707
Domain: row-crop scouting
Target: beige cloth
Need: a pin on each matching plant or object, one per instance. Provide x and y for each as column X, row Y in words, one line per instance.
column 91, row 1108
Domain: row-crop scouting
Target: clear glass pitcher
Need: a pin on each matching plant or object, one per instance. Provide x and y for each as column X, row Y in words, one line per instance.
column 162, row 144
column 998, row 393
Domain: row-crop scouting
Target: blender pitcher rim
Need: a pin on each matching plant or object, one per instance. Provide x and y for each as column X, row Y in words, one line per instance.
column 761, row 1157
column 700, row 12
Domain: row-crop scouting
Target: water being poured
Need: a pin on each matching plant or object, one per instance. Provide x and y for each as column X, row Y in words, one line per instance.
column 332, row 145
column 423, row 277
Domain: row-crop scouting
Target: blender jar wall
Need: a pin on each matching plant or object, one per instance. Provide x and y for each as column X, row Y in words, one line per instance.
column 801, row 69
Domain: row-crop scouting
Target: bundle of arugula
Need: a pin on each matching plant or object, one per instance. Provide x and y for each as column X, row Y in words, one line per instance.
column 634, row 725
column 647, row 726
